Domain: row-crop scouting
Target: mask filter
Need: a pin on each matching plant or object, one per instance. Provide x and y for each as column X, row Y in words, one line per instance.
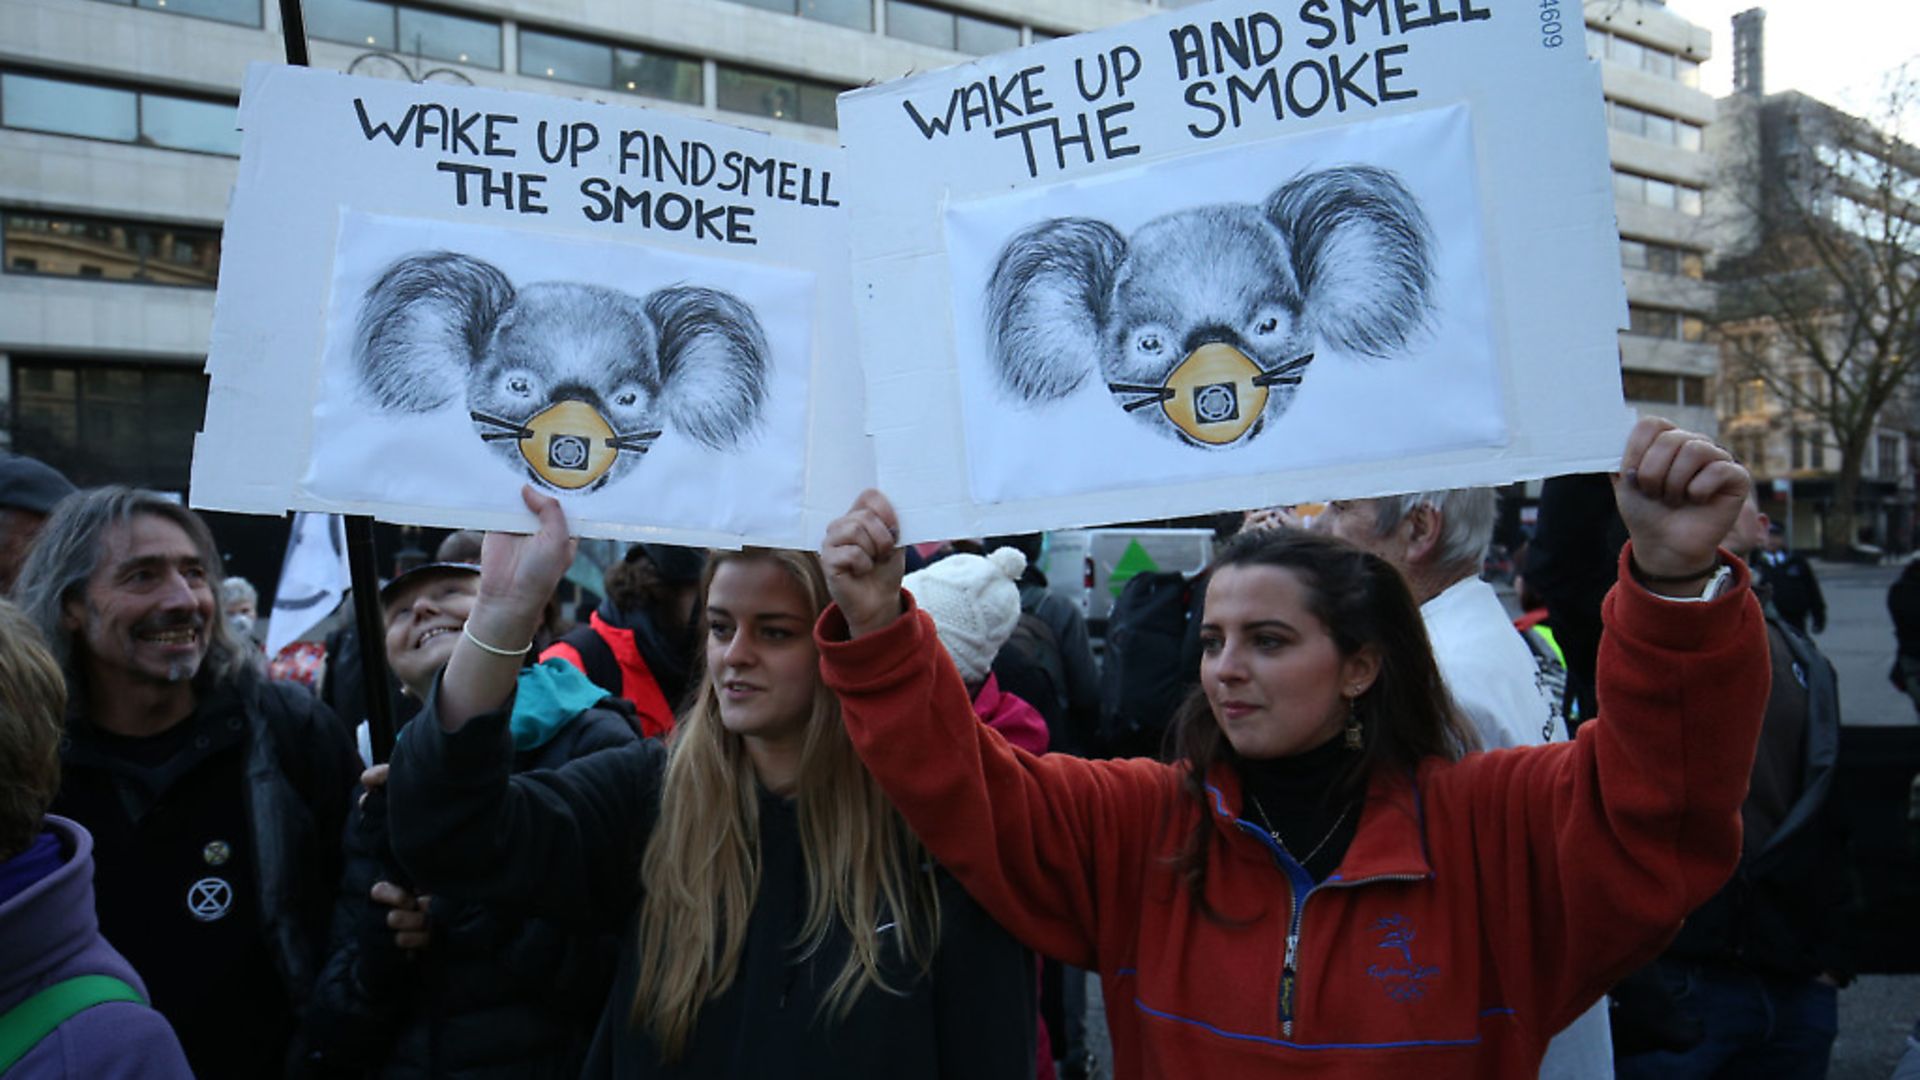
column 568, row 444
column 1216, row 394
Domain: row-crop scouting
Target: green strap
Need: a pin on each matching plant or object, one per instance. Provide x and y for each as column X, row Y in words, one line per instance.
column 23, row 1026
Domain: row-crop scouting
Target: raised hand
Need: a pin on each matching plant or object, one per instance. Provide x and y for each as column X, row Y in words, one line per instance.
column 519, row 573
column 1678, row 494
column 864, row 563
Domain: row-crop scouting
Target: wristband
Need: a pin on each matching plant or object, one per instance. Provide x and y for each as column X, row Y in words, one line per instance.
column 495, row 650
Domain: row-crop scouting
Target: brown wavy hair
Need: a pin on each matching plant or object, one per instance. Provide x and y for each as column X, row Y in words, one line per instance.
column 1406, row 715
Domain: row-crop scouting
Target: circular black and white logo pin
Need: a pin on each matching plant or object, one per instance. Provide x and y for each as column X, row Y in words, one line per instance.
column 209, row 899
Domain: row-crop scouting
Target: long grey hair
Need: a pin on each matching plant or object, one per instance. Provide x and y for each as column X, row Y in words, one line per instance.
column 69, row 548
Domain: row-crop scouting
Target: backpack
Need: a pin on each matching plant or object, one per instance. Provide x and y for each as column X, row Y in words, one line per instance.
column 23, row 1026
column 596, row 659
column 1034, row 642
column 1147, row 673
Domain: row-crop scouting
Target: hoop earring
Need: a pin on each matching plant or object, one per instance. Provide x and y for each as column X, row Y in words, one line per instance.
column 1355, row 734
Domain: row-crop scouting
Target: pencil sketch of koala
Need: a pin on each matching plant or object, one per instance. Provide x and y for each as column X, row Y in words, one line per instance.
column 571, row 383
column 1213, row 313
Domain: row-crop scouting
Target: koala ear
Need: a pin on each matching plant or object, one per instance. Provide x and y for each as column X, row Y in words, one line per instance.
column 1046, row 303
column 713, row 363
column 423, row 325
column 1363, row 254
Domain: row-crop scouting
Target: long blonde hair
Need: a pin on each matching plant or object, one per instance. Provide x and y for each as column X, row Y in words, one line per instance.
column 701, row 871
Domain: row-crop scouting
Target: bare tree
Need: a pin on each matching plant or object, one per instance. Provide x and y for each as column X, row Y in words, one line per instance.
column 1819, row 277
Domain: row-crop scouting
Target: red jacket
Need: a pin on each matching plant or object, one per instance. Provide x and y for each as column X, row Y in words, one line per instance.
column 637, row 683
column 1482, row 905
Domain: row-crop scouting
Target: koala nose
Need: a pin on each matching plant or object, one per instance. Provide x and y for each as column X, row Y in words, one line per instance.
column 1211, row 334
column 573, row 391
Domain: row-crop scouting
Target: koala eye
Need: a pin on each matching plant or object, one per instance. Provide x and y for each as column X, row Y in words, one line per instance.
column 1267, row 322
column 520, row 385
column 1149, row 343
column 626, row 399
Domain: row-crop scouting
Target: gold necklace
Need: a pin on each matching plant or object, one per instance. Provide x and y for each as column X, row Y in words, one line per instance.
column 1275, row 833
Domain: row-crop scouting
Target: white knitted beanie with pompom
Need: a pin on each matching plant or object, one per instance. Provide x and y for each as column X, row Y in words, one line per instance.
column 974, row 603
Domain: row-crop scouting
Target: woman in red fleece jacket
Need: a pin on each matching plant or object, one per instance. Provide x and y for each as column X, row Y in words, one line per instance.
column 1392, row 909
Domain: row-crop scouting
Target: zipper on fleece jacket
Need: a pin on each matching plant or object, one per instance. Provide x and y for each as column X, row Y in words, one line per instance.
column 1302, row 890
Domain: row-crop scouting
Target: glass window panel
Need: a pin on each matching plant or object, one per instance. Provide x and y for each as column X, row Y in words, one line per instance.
column 1633, row 254
column 983, row 37
column 1689, row 136
column 243, row 12
column 756, row 93
column 917, row 22
column 1693, row 264
column 185, row 124
column 352, row 22
column 1596, row 44
column 1649, row 386
column 449, row 37
column 771, row 5
column 1693, row 328
column 854, row 14
column 1660, row 63
column 819, row 105
column 1690, row 201
column 1689, row 71
column 674, row 78
column 1626, row 52
column 1660, row 193
column 1628, row 119
column 1039, row 35
column 68, row 108
column 1662, row 259
column 566, row 59
column 1660, row 129
column 1693, row 390
column 1629, row 187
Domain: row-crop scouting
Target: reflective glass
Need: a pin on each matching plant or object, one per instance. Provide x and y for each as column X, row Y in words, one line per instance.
column 449, row 37
column 674, row 78
column 982, row 37
column 819, row 105
column 567, row 59
column 116, row 251
column 184, row 124
column 786, row 6
column 917, row 22
column 351, row 22
column 68, row 108
column 855, row 14
column 243, row 12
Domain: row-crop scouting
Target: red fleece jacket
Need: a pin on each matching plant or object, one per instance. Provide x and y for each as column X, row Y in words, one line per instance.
column 1483, row 904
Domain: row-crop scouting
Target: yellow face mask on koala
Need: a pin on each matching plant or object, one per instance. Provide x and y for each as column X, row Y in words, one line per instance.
column 1216, row 394
column 568, row 444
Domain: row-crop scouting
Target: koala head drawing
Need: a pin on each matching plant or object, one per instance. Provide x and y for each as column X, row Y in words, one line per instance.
column 572, row 383
column 1203, row 322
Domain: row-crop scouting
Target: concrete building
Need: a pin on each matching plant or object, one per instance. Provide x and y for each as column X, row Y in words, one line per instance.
column 1801, row 188
column 117, row 153
column 1658, row 116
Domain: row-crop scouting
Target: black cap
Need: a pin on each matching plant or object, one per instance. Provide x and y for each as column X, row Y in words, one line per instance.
column 423, row 573
column 676, row 565
column 26, row 484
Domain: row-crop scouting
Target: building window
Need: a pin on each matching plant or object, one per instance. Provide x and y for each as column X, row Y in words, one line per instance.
column 1817, row 451
column 410, row 31
column 853, row 14
column 596, row 63
column 1888, row 452
column 1693, row 390
column 107, row 423
column 1650, row 386
column 67, row 246
column 943, row 29
column 1655, row 192
column 1664, row 130
column 782, row 97
column 243, row 12
column 1661, row 258
column 1650, row 59
column 65, row 107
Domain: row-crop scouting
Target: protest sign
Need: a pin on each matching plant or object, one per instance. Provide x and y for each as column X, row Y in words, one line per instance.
column 1237, row 255
column 432, row 295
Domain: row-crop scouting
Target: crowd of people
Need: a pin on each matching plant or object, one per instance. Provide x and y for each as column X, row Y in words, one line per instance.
column 777, row 813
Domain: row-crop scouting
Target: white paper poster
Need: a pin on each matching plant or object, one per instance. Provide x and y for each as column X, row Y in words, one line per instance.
column 433, row 295
column 1237, row 255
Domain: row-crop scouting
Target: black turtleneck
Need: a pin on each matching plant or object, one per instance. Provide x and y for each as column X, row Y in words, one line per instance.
column 1301, row 797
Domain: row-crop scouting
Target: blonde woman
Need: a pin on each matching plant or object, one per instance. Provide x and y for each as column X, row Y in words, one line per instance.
column 778, row 916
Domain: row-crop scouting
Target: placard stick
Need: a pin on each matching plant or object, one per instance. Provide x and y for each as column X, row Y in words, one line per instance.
column 369, row 621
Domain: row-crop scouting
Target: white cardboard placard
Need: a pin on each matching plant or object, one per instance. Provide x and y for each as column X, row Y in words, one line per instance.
column 431, row 295
column 1237, row 255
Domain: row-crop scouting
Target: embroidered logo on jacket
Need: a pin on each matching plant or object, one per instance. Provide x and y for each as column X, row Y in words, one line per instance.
column 1402, row 979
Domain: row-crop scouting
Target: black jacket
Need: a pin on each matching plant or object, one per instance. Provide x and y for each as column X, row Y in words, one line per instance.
column 1781, row 912
column 497, row 993
column 296, row 770
column 567, row 844
column 1796, row 591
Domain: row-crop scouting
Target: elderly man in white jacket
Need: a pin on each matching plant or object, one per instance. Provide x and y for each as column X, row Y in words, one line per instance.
column 1438, row 539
